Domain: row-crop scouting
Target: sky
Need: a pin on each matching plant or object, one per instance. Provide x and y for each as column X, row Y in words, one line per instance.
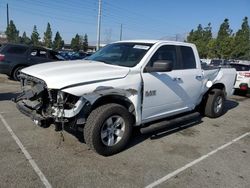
column 140, row 19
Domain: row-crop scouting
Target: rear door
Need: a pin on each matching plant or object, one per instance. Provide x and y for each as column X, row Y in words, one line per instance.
column 190, row 75
column 170, row 93
column 38, row 55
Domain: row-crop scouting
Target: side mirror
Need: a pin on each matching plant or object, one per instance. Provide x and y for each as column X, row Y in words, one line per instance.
column 160, row 66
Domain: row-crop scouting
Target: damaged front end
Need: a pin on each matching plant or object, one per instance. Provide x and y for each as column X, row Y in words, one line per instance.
column 49, row 106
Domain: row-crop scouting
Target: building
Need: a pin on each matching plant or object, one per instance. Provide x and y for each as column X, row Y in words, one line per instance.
column 3, row 38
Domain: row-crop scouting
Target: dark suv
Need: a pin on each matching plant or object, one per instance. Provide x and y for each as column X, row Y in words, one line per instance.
column 14, row 57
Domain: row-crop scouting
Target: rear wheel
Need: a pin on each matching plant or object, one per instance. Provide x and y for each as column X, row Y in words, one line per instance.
column 215, row 103
column 16, row 73
column 108, row 129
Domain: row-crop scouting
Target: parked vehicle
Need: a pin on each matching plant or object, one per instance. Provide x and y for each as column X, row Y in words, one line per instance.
column 123, row 85
column 14, row 57
column 219, row 62
column 69, row 55
column 243, row 76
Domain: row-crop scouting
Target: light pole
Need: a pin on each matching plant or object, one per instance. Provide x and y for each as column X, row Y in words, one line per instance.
column 99, row 25
column 121, row 33
column 8, row 22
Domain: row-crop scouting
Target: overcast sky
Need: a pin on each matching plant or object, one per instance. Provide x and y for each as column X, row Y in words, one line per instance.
column 141, row 19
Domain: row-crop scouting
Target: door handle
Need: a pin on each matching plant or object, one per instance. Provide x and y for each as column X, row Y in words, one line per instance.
column 176, row 79
column 199, row 77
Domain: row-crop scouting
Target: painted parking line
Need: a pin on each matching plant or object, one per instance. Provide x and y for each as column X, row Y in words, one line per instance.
column 26, row 153
column 7, row 112
column 174, row 173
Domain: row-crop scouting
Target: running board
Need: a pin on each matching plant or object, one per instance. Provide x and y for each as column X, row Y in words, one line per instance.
column 169, row 122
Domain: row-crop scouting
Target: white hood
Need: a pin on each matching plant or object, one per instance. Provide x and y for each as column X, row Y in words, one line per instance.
column 62, row 74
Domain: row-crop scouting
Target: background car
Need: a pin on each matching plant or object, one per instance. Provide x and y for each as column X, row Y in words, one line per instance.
column 14, row 57
column 220, row 63
column 70, row 55
column 243, row 76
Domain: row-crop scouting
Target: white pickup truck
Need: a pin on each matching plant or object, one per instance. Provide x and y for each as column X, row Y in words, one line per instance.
column 123, row 85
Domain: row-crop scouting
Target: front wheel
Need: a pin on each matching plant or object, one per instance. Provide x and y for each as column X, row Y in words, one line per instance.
column 108, row 129
column 215, row 103
column 16, row 73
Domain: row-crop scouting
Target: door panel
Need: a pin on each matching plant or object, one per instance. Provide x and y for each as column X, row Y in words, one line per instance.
column 170, row 93
column 38, row 55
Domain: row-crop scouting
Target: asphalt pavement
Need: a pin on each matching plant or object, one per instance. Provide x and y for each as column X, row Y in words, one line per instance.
column 202, row 153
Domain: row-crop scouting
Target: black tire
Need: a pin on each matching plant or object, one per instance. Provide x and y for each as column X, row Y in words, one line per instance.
column 16, row 72
column 95, row 123
column 212, row 101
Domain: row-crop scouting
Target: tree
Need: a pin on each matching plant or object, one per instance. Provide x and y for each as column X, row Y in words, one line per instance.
column 48, row 37
column 85, row 43
column 12, row 33
column 224, row 43
column 242, row 41
column 211, row 47
column 76, row 43
column 201, row 38
column 58, row 43
column 35, row 37
column 24, row 39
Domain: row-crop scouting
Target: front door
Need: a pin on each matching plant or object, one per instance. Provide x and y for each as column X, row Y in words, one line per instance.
column 170, row 93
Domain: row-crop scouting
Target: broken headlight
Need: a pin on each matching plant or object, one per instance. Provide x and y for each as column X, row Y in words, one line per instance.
column 67, row 100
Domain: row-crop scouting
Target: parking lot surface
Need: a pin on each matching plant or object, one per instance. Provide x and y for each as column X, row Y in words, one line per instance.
column 201, row 153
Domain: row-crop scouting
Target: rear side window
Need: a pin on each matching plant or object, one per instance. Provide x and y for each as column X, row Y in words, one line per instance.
column 17, row 50
column 38, row 53
column 188, row 59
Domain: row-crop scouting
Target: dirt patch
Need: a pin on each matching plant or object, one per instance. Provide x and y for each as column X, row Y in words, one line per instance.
column 190, row 132
column 215, row 125
column 5, row 79
column 184, row 150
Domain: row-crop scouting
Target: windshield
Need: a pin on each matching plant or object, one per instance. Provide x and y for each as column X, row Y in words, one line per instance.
column 122, row 54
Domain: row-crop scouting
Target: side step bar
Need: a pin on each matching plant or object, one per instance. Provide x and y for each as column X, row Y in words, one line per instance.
column 160, row 125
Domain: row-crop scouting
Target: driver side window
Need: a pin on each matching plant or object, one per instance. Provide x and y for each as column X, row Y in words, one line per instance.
column 166, row 52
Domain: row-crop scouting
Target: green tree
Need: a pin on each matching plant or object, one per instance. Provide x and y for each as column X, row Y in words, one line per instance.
column 12, row 33
column 212, row 50
column 76, row 43
column 201, row 37
column 85, row 43
column 58, row 43
column 48, row 37
column 242, row 41
column 24, row 39
column 35, row 37
column 224, row 42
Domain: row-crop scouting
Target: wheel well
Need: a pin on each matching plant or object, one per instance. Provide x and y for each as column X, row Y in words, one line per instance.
column 124, row 101
column 218, row 86
column 215, row 86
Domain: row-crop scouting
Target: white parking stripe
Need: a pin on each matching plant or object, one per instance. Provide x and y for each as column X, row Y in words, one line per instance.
column 27, row 155
column 174, row 173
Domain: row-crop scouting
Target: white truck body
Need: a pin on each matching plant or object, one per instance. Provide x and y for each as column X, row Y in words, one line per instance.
column 152, row 95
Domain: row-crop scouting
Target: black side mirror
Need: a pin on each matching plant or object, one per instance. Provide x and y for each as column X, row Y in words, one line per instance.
column 160, row 66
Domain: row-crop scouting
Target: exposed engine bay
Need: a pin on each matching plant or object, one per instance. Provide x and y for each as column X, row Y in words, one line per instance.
column 48, row 106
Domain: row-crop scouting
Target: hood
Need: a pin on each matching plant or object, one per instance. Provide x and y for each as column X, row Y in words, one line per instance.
column 58, row 75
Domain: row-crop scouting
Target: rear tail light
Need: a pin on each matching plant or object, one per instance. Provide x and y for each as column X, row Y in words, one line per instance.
column 245, row 74
column 243, row 87
column 2, row 57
